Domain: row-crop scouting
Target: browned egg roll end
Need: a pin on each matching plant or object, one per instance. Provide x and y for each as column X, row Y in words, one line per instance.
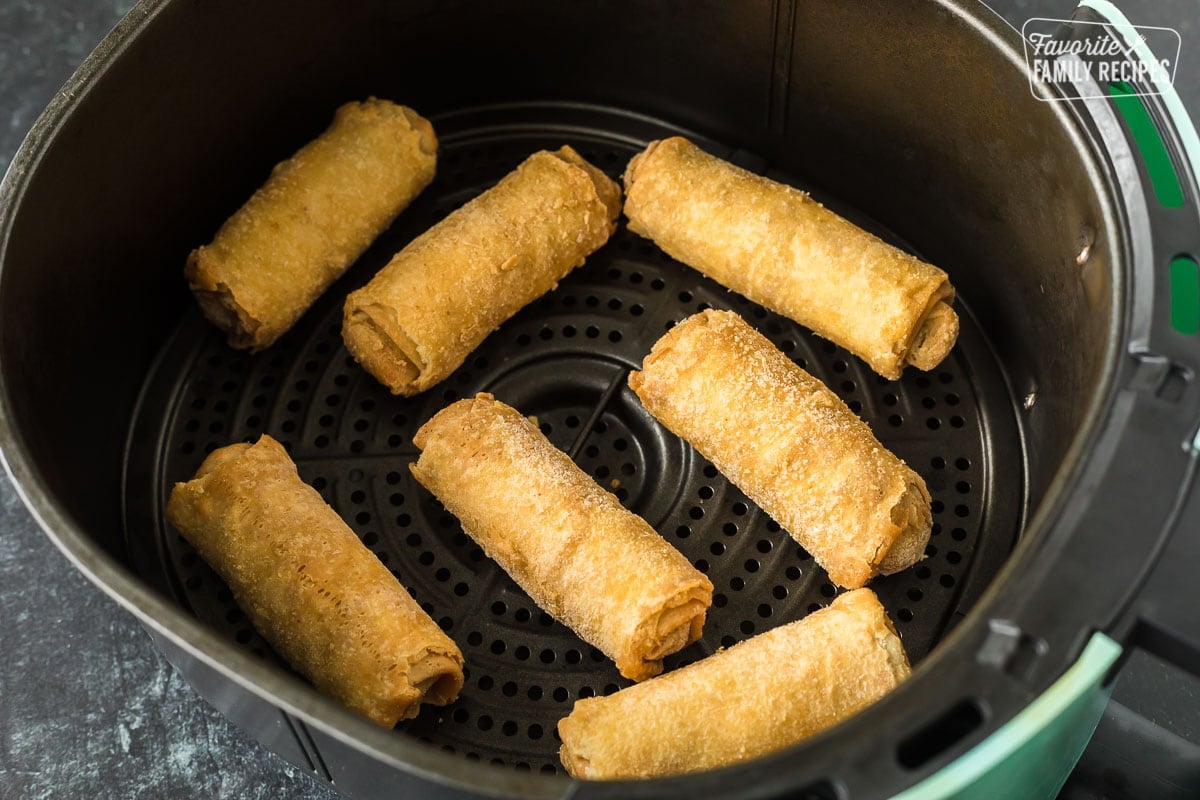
column 606, row 189
column 437, row 679
column 638, row 160
column 449, row 417
column 218, row 457
column 915, row 520
column 373, row 337
column 935, row 338
column 218, row 303
column 427, row 139
column 668, row 631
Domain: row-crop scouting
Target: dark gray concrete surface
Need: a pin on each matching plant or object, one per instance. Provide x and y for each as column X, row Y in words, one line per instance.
column 87, row 706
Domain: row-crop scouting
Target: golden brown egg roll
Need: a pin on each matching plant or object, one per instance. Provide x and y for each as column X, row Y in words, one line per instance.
column 756, row 697
column 583, row 557
column 311, row 220
column 789, row 443
column 782, row 249
column 311, row 588
column 422, row 314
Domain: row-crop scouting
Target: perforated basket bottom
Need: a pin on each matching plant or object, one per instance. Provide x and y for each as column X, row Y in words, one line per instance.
column 565, row 360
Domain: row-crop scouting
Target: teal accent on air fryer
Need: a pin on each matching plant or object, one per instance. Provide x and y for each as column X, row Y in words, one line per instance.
column 1185, row 295
column 1032, row 755
column 1167, row 187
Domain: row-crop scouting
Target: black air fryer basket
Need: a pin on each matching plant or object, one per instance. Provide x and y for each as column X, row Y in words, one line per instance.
column 1059, row 439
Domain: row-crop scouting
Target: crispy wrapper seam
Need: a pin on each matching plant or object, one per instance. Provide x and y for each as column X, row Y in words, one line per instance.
column 574, row 549
column 316, row 213
column 789, row 443
column 774, row 689
column 311, row 588
column 782, row 249
column 421, row 315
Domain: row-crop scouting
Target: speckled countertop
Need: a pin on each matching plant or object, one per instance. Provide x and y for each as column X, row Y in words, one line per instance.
column 87, row 706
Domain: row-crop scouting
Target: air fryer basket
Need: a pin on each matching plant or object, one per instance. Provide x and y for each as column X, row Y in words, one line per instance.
column 914, row 118
column 564, row 360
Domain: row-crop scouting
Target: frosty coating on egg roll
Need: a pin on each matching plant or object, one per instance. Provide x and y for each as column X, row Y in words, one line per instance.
column 311, row 220
column 594, row 565
column 422, row 314
column 759, row 696
column 789, row 443
column 782, row 249
column 311, row 588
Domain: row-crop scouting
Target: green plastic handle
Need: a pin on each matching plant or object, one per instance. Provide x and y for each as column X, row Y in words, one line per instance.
column 1032, row 755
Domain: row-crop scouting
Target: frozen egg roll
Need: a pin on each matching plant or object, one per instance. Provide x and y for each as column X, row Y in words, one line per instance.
column 789, row 443
column 422, row 314
column 756, row 697
column 311, row 220
column 782, row 249
column 583, row 557
column 311, row 588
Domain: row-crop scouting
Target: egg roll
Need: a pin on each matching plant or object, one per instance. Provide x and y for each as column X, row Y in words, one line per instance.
column 761, row 695
column 311, row 588
column 583, row 557
column 311, row 220
column 782, row 249
column 789, row 443
column 422, row 314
